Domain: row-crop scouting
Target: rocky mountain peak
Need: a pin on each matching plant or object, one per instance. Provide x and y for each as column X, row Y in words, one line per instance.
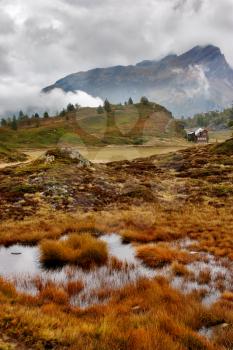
column 196, row 81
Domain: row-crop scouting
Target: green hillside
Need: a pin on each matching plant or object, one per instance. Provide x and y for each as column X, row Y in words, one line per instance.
column 130, row 124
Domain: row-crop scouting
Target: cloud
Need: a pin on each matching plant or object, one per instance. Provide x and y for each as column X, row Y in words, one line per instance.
column 31, row 100
column 202, row 86
column 5, row 67
column 43, row 41
column 6, row 24
column 193, row 5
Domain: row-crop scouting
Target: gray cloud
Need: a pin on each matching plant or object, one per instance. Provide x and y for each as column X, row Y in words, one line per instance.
column 5, row 67
column 6, row 25
column 43, row 41
column 194, row 5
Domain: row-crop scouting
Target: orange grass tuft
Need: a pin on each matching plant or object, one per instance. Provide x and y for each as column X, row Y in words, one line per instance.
column 7, row 288
column 83, row 250
column 181, row 270
column 204, row 276
column 228, row 296
column 52, row 293
column 158, row 256
column 74, row 287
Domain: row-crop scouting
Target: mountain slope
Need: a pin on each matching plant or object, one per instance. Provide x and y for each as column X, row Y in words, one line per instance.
column 132, row 124
column 196, row 81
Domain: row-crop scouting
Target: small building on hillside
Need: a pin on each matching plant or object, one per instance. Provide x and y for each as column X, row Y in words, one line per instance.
column 202, row 135
column 199, row 136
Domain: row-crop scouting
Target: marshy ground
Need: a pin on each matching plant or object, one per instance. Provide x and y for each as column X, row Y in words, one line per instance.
column 141, row 252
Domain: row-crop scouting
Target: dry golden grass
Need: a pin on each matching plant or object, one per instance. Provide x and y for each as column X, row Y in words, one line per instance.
column 157, row 224
column 7, row 289
column 180, row 270
column 47, row 225
column 228, row 296
column 57, row 293
column 116, row 264
column 224, row 337
column 157, row 317
column 158, row 256
column 52, row 293
column 74, row 287
column 223, row 334
column 152, row 223
column 204, row 276
column 83, row 250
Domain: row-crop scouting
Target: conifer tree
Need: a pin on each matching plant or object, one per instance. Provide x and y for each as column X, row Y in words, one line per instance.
column 46, row 115
column 14, row 123
column 107, row 106
column 130, row 102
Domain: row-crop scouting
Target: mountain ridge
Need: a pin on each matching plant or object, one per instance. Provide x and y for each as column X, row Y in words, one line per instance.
column 196, row 81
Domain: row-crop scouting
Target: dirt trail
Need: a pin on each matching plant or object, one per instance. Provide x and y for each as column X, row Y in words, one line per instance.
column 32, row 155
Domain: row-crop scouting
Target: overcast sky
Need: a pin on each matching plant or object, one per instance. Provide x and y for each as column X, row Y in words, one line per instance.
column 42, row 41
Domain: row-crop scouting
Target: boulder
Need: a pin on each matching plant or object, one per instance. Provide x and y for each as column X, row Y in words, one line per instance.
column 67, row 155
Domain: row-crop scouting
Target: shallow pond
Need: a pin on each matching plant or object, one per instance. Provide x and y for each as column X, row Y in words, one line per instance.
column 21, row 264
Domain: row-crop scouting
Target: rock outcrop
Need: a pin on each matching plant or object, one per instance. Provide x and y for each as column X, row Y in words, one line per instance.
column 67, row 155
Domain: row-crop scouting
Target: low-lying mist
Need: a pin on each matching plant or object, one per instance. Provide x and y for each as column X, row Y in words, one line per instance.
column 31, row 100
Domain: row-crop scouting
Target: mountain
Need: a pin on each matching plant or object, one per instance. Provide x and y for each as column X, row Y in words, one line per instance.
column 196, row 81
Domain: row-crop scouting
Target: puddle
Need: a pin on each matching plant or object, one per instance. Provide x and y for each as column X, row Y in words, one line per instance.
column 19, row 259
column 24, row 260
column 124, row 252
column 220, row 270
column 206, row 332
column 24, row 268
column 209, row 332
column 21, row 264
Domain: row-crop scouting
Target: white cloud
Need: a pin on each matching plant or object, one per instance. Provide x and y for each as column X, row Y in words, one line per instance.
column 15, row 97
column 197, row 74
column 42, row 41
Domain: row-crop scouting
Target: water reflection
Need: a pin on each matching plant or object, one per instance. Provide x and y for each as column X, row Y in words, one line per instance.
column 21, row 264
column 19, row 259
column 24, row 269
